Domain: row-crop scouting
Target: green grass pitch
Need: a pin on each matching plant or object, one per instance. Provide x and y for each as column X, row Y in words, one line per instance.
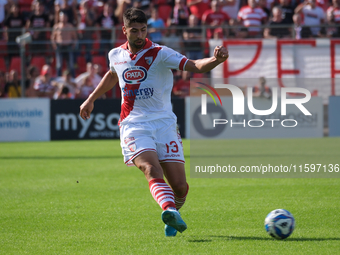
column 78, row 197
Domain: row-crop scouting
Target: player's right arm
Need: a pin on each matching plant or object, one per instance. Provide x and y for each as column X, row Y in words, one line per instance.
column 108, row 82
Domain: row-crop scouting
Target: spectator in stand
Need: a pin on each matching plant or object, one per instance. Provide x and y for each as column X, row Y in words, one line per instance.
column 90, row 72
column 262, row 90
column 13, row 25
column 181, row 87
column 36, row 23
column 323, row 4
column 235, row 31
column 2, row 84
column 300, row 30
column 66, row 83
column 287, row 11
column 64, row 39
column 180, row 14
column 63, row 93
column 214, row 17
column 144, row 5
column 98, row 69
column 198, row 7
column 106, row 22
column 85, row 88
column 69, row 8
column 264, row 6
column 155, row 27
column 313, row 16
column 165, row 8
column 13, row 86
column 32, row 74
column 276, row 27
column 3, row 10
column 49, row 9
column 87, row 21
column 252, row 17
column 231, row 8
column 122, row 6
column 45, row 85
column 173, row 39
column 193, row 40
column 333, row 18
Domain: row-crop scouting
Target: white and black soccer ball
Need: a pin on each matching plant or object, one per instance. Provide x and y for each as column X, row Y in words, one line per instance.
column 279, row 223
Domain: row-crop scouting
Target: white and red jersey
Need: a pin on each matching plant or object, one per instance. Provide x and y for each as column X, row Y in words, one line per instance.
column 313, row 17
column 252, row 18
column 146, row 80
column 336, row 13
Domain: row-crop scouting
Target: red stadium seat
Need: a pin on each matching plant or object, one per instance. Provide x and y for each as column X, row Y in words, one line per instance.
column 101, row 60
column 15, row 65
column 38, row 62
column 25, row 5
column 95, row 47
column 164, row 12
column 3, row 65
column 81, row 65
column 120, row 38
column 3, row 48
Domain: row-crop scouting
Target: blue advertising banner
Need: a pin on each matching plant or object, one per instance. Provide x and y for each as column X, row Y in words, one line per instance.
column 24, row 119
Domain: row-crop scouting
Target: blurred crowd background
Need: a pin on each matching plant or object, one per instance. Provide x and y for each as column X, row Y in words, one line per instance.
column 70, row 39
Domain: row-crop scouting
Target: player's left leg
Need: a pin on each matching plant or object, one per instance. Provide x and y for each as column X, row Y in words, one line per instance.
column 175, row 174
column 171, row 156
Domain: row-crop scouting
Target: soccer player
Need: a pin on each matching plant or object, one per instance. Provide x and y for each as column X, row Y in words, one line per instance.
column 148, row 130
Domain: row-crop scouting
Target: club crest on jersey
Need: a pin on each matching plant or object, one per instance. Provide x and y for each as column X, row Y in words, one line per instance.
column 149, row 60
column 132, row 147
column 134, row 75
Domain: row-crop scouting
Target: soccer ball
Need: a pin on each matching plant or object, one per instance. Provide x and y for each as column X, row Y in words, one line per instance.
column 279, row 223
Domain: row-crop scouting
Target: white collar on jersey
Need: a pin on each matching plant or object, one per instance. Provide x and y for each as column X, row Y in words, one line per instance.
column 147, row 45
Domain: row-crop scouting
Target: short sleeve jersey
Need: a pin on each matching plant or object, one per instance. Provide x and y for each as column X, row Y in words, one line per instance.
column 145, row 80
column 252, row 18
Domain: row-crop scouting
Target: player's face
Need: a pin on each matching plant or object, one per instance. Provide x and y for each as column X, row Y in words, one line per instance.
column 136, row 34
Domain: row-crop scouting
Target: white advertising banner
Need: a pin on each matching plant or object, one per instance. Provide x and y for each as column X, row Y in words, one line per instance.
column 24, row 120
column 221, row 123
column 312, row 58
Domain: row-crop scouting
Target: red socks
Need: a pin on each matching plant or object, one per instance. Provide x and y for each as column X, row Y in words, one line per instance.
column 162, row 193
column 179, row 201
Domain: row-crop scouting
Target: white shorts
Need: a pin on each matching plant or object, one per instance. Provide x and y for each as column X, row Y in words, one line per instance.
column 161, row 136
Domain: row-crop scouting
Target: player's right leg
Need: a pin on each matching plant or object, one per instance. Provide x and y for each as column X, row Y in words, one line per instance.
column 175, row 174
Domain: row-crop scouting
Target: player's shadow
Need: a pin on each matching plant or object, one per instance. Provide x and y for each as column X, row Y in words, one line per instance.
column 290, row 239
column 200, row 241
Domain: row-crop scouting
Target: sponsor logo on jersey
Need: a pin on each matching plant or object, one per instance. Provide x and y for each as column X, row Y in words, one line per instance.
column 128, row 139
column 120, row 63
column 135, row 94
column 134, row 75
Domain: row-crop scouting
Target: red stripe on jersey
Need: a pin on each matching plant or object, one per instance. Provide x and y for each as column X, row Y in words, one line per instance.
column 129, row 98
column 181, row 64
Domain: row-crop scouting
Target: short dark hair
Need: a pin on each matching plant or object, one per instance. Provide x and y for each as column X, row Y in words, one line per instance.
column 134, row 15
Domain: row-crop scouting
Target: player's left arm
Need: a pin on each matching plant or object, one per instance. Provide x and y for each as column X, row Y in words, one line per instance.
column 206, row 64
